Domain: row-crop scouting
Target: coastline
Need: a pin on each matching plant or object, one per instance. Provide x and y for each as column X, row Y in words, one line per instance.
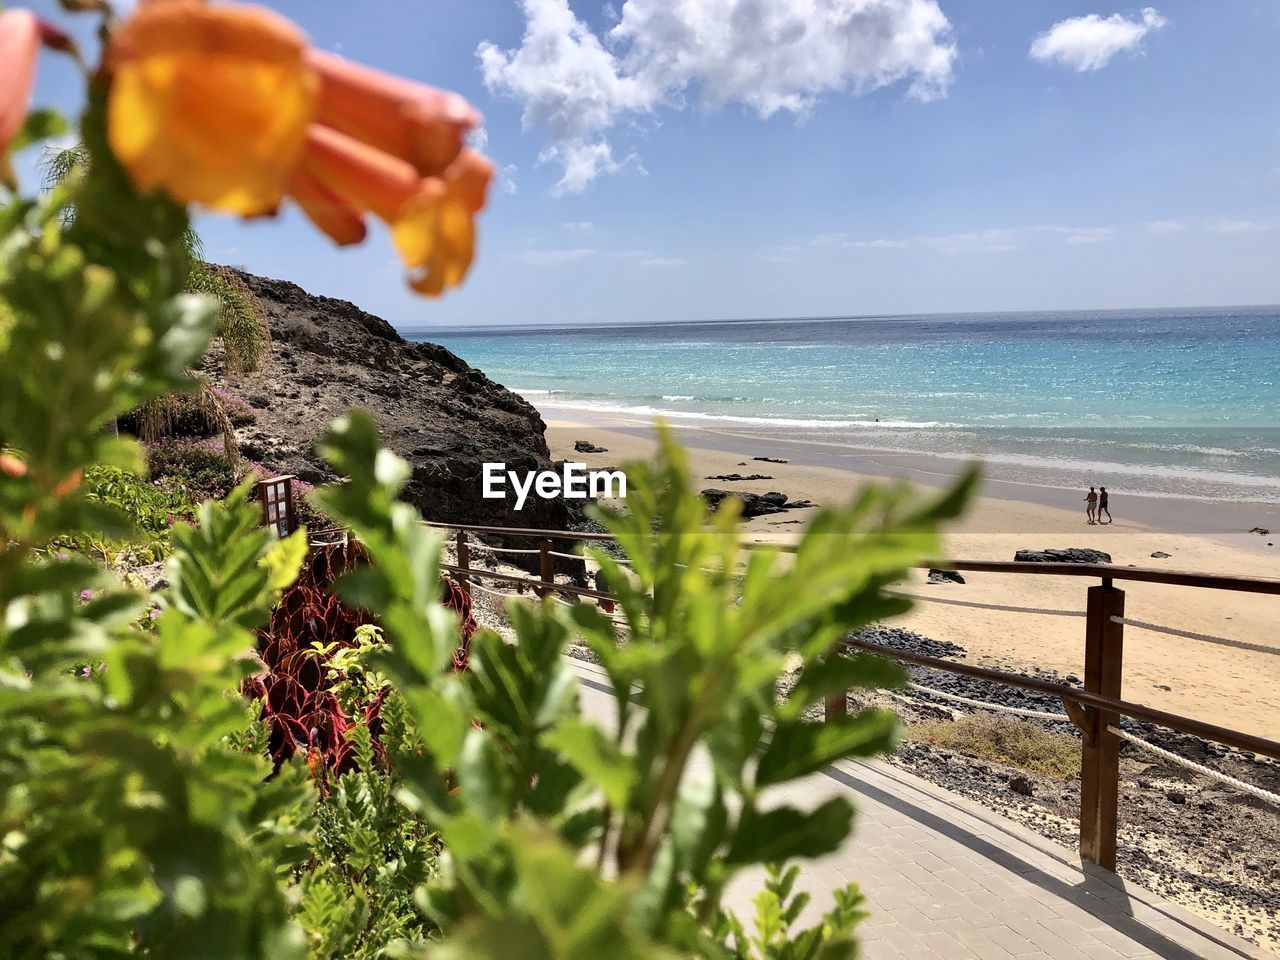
column 1239, row 689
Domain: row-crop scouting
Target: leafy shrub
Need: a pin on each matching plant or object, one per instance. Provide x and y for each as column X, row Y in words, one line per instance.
column 153, row 505
column 151, row 508
column 201, row 466
column 313, row 648
column 188, row 415
column 571, row 840
column 369, row 854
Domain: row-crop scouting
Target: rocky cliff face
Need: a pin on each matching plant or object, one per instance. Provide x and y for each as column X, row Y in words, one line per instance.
column 444, row 417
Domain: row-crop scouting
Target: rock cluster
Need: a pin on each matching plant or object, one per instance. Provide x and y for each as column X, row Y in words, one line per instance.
column 1070, row 555
column 755, row 504
column 443, row 416
column 586, row 446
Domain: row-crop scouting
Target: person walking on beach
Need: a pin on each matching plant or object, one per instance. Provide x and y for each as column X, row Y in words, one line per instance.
column 1091, row 507
column 1102, row 505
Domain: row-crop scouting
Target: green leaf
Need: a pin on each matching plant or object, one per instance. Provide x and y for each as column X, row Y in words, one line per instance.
column 799, row 748
column 785, row 832
column 837, row 673
column 596, row 757
column 284, row 559
column 39, row 125
column 483, row 776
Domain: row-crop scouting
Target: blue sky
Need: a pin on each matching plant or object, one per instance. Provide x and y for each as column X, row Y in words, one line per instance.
column 689, row 159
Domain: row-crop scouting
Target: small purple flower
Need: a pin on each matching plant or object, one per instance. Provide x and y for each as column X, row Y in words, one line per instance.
column 155, row 612
column 86, row 595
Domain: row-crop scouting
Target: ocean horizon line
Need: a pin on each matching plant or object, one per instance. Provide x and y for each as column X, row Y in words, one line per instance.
column 480, row 330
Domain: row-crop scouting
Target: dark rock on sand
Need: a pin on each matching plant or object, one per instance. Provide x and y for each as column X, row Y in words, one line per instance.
column 768, row 459
column 1261, row 531
column 586, row 446
column 443, row 416
column 1070, row 555
column 735, row 477
column 1161, row 555
column 945, row 576
column 753, row 504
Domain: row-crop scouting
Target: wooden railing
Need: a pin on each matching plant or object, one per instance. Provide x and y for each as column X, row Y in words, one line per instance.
column 1096, row 708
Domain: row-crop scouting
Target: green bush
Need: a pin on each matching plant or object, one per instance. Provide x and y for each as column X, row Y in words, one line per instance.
column 187, row 416
column 200, row 466
column 151, row 508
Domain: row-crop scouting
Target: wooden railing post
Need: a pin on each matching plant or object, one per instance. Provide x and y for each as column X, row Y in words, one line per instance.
column 548, row 566
column 464, row 561
column 1100, row 752
column 837, row 704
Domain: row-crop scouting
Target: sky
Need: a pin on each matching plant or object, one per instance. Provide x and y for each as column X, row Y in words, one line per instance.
column 669, row 160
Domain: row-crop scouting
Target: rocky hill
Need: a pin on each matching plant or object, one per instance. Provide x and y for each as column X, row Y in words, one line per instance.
column 442, row 415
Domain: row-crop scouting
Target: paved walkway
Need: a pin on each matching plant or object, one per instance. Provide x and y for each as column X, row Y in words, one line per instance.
column 946, row 878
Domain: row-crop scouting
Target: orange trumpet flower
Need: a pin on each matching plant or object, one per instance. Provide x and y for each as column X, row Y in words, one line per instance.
column 419, row 124
column 225, row 106
column 210, row 103
column 430, row 218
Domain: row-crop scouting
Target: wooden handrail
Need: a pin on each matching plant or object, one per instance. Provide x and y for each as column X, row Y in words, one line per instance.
column 473, row 573
column 1103, row 571
column 522, row 531
column 1136, row 711
column 1093, row 709
column 1107, row 571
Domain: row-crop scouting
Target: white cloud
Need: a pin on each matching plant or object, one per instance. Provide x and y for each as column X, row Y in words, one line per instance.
column 581, row 163
column 1088, row 43
column 547, row 258
column 663, row 262
column 579, row 226
column 506, row 181
column 993, row 240
column 879, row 244
column 1162, row 227
column 575, row 86
column 1077, row 236
column 1228, row 225
column 990, row 240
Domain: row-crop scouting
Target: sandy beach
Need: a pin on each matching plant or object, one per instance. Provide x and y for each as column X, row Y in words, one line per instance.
column 1219, row 684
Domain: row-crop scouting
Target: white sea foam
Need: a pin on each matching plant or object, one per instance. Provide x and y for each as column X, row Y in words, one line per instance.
column 676, row 397
column 645, row 410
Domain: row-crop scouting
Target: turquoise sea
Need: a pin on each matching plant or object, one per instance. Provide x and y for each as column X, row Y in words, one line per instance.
column 1179, row 403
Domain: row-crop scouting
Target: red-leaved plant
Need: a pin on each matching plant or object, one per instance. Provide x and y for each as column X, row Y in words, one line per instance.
column 299, row 705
